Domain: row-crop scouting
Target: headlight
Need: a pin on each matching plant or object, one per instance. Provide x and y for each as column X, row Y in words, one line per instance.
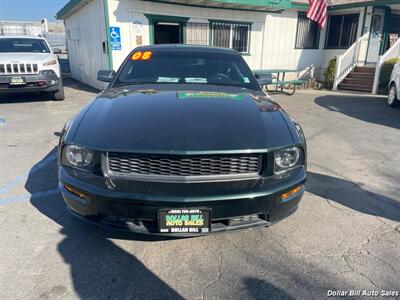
column 50, row 62
column 77, row 156
column 286, row 158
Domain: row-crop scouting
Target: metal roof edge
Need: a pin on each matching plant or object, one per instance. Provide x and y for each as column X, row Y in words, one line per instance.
column 363, row 4
column 302, row 5
column 68, row 8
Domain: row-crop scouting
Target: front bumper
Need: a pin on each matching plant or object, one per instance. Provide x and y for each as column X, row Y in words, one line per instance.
column 41, row 82
column 133, row 206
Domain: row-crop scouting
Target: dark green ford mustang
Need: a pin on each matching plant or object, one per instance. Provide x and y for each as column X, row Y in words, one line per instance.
column 182, row 142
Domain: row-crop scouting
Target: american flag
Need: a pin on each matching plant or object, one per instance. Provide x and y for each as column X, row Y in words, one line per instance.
column 317, row 11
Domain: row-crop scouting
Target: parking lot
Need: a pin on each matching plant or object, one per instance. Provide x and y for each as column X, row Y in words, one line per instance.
column 345, row 234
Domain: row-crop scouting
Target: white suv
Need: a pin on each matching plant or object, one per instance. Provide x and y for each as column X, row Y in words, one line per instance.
column 394, row 87
column 28, row 64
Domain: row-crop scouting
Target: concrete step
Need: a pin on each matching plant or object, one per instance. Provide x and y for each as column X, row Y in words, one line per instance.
column 361, row 75
column 355, row 87
column 359, row 81
column 364, row 70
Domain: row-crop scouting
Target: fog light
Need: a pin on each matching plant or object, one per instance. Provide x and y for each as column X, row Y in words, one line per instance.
column 290, row 193
column 75, row 192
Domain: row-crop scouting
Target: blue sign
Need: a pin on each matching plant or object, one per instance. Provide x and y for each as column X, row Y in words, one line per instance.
column 115, row 38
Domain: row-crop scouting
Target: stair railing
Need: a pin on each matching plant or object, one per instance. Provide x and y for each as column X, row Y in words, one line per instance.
column 346, row 62
column 392, row 52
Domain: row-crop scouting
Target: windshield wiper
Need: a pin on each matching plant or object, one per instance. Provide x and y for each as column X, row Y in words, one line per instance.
column 148, row 91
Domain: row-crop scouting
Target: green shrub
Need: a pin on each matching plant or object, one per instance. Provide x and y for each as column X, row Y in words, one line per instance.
column 386, row 72
column 329, row 73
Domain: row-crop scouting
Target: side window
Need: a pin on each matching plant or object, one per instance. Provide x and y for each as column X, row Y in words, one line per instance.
column 341, row 31
column 231, row 35
column 197, row 33
column 307, row 36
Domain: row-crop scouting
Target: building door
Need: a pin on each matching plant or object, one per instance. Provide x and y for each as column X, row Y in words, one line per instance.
column 167, row 33
column 394, row 30
column 376, row 35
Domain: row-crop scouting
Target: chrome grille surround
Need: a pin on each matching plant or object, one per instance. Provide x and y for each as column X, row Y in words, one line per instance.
column 14, row 68
column 182, row 168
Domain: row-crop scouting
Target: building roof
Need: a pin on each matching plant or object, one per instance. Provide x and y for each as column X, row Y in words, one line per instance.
column 74, row 5
column 348, row 3
column 261, row 5
column 332, row 2
column 70, row 8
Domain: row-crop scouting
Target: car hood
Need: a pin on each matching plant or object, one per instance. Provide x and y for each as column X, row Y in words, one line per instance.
column 22, row 57
column 182, row 122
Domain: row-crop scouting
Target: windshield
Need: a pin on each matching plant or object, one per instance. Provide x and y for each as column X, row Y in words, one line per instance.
column 23, row 45
column 187, row 67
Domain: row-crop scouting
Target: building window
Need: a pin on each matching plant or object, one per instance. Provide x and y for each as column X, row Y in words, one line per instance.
column 342, row 31
column 196, row 33
column 307, row 36
column 231, row 35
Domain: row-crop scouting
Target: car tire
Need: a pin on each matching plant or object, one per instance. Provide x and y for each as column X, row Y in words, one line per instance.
column 393, row 101
column 59, row 95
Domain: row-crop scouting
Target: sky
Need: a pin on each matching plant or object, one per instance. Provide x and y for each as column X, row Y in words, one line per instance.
column 29, row 10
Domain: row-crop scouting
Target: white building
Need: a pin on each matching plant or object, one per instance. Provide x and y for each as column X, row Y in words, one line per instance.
column 270, row 34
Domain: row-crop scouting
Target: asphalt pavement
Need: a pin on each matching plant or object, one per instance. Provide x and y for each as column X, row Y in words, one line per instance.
column 345, row 235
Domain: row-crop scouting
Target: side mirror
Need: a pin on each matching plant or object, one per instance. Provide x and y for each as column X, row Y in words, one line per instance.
column 105, row 75
column 57, row 51
column 264, row 79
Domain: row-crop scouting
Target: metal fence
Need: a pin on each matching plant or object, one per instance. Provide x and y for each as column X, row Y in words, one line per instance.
column 56, row 40
column 20, row 29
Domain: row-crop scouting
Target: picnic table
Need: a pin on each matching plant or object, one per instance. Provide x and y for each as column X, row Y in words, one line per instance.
column 278, row 79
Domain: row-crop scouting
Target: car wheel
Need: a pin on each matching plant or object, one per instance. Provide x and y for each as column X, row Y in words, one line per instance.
column 392, row 97
column 59, row 95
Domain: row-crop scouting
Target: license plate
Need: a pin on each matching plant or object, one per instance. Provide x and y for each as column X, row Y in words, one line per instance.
column 17, row 81
column 183, row 221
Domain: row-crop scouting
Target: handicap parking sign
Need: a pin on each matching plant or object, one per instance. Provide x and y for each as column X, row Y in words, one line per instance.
column 115, row 38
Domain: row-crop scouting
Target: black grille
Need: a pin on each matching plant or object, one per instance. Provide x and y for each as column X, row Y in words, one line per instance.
column 9, row 68
column 185, row 165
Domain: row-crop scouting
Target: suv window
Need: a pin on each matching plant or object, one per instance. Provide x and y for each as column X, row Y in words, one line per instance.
column 23, row 45
column 187, row 67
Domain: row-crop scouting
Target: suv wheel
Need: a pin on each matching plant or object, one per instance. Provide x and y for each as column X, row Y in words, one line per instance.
column 59, row 95
column 392, row 97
